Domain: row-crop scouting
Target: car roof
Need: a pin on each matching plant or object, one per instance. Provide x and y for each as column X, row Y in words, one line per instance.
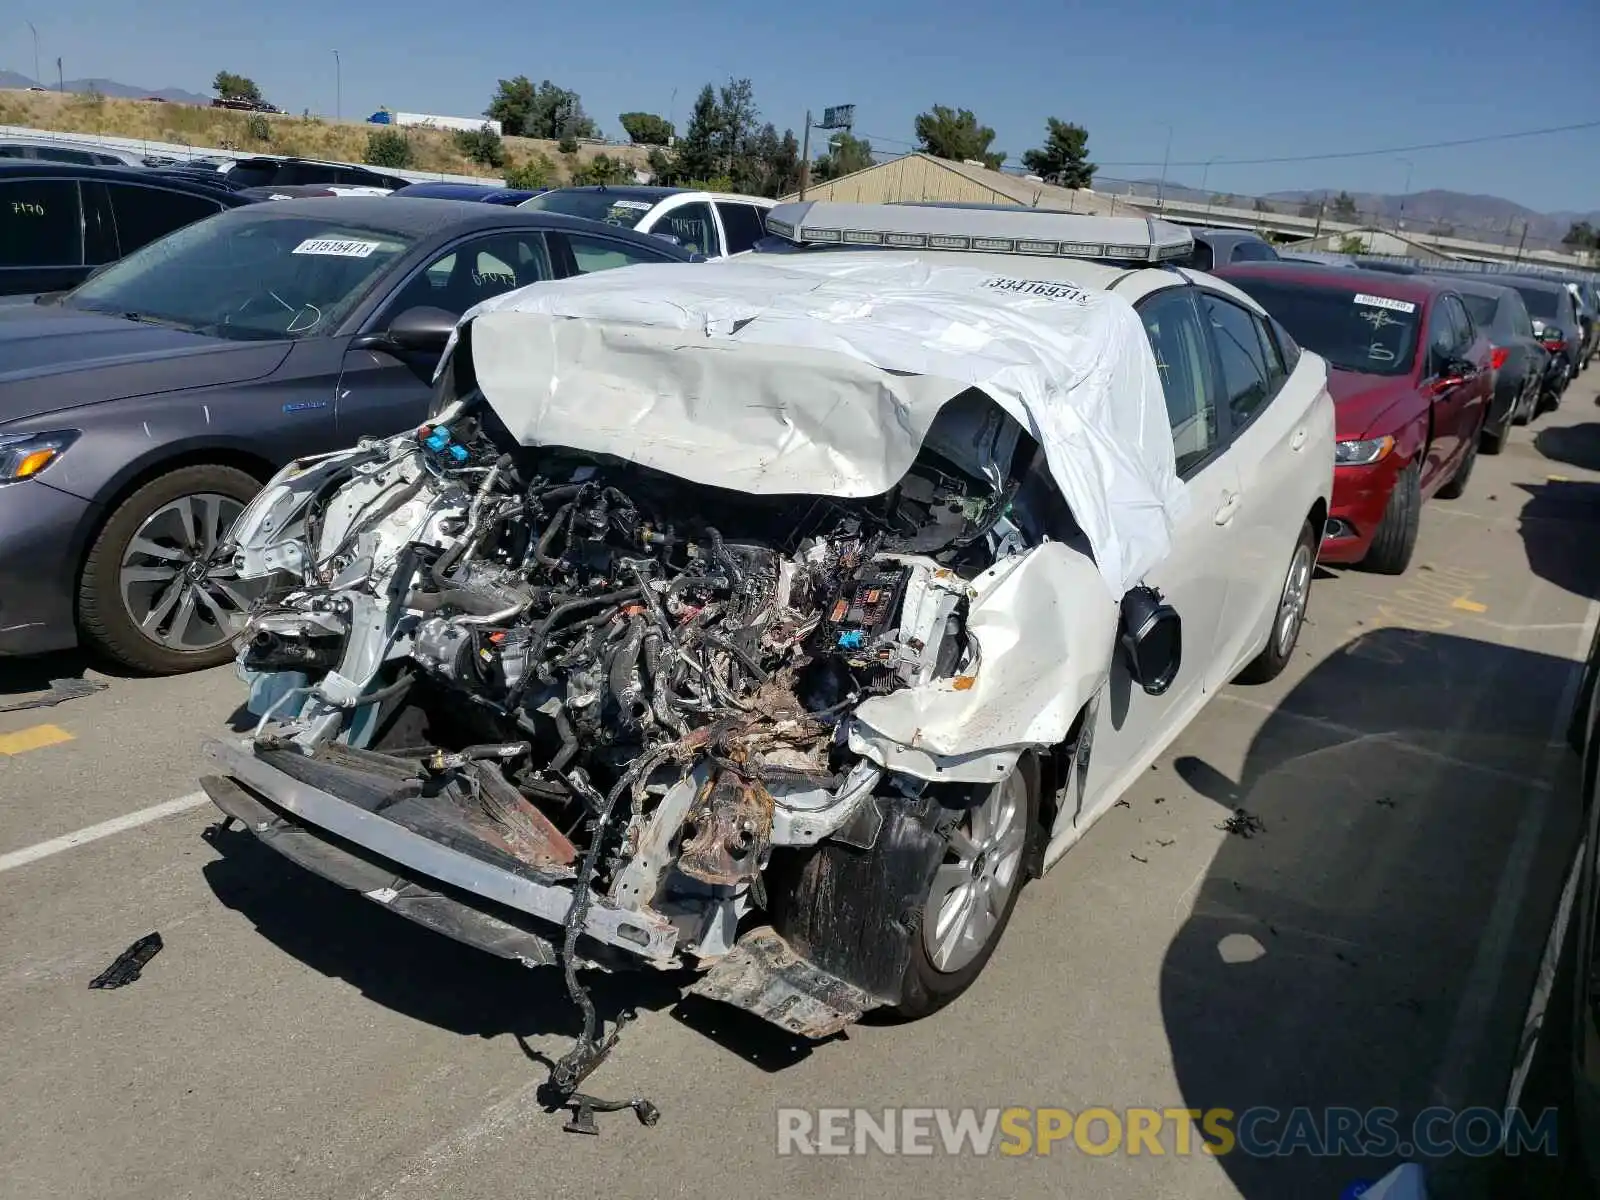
column 1390, row 284
column 175, row 180
column 425, row 216
column 1226, row 235
column 632, row 191
column 1482, row 287
column 1541, row 285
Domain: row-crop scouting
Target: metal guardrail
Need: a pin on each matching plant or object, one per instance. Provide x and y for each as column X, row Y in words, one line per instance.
column 183, row 150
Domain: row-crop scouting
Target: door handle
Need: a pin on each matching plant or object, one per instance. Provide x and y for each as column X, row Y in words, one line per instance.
column 1230, row 506
column 1299, row 439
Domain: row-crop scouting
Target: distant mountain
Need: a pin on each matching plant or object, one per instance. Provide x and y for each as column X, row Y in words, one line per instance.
column 1471, row 215
column 107, row 87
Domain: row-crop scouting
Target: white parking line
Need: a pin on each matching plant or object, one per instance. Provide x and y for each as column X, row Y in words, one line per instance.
column 93, row 833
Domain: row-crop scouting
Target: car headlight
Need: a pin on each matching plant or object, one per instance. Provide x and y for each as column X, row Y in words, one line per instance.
column 1361, row 453
column 24, row 455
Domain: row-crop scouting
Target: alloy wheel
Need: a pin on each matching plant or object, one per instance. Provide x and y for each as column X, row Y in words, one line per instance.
column 973, row 886
column 175, row 585
column 1292, row 607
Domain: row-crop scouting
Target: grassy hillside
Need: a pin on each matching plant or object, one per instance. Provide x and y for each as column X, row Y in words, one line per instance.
column 311, row 137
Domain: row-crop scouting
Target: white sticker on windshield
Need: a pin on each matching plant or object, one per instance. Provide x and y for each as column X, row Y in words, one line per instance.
column 337, row 247
column 641, row 205
column 1404, row 306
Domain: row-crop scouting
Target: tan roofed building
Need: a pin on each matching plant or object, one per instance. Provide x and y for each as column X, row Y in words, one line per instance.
column 922, row 177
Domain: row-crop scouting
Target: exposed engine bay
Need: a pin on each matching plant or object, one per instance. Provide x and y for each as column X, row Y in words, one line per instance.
column 587, row 691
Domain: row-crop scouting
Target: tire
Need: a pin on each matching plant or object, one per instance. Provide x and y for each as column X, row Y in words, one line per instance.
column 1492, row 441
column 1456, row 486
column 1290, row 616
column 1527, row 404
column 928, row 987
column 1396, row 539
column 157, row 514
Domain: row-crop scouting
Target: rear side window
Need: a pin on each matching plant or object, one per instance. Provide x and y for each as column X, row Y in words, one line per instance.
column 145, row 214
column 1201, row 259
column 41, row 224
column 1254, row 252
column 1239, row 352
column 692, row 225
column 1173, row 326
column 78, row 158
column 1521, row 323
column 742, row 224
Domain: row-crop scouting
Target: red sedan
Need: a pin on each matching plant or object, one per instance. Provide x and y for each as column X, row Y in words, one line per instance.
column 1412, row 383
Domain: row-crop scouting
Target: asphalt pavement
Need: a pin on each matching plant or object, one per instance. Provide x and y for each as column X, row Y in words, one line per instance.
column 1373, row 944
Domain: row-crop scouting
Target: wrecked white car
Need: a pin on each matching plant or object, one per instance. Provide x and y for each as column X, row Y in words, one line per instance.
column 760, row 617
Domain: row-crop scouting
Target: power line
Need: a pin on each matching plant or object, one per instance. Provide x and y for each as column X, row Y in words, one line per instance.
column 1292, row 158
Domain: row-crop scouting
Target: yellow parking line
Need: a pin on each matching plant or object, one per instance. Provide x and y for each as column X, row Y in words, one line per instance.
column 36, row 737
column 1466, row 605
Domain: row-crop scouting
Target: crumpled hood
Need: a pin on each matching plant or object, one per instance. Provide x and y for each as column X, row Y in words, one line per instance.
column 1360, row 401
column 54, row 358
column 823, row 374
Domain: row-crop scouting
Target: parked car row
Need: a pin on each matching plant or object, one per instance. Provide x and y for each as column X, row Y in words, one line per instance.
column 1428, row 369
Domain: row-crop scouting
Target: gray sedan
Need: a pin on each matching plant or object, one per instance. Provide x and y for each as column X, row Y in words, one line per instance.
column 141, row 411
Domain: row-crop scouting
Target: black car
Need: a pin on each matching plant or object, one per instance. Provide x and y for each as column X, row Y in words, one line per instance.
column 1517, row 356
column 1555, row 322
column 59, row 222
column 1224, row 247
column 141, row 411
column 265, row 171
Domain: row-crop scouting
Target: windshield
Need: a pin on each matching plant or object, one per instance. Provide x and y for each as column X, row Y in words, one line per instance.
column 1540, row 302
column 1482, row 310
column 289, row 277
column 593, row 206
column 1356, row 331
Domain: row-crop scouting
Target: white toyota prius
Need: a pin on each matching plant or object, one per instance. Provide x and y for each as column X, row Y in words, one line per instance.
column 779, row 617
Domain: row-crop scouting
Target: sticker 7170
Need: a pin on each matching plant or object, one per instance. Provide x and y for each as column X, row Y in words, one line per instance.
column 24, row 208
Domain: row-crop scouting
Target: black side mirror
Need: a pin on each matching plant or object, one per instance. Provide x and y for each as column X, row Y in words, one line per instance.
column 1152, row 639
column 423, row 328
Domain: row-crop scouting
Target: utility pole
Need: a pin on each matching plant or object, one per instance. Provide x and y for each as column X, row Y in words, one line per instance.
column 805, row 156
column 35, row 33
column 338, row 87
column 1321, row 208
column 1161, row 184
column 61, row 82
column 1523, row 241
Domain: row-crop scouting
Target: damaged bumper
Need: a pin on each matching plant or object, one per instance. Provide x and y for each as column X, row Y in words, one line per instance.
column 422, row 879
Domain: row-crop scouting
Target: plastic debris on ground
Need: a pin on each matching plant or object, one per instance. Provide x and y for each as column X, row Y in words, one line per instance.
column 130, row 964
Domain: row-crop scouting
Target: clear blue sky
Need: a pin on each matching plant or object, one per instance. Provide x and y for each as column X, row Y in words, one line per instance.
column 1236, row 79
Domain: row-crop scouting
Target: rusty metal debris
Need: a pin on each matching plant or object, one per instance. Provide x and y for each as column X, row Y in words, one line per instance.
column 763, row 974
column 129, row 964
column 728, row 834
column 1243, row 823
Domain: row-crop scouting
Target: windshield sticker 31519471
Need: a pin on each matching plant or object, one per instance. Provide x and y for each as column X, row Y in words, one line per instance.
column 1037, row 287
column 336, row 247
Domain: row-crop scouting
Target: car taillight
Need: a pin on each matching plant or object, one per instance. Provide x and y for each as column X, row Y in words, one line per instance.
column 1554, row 345
column 1497, row 357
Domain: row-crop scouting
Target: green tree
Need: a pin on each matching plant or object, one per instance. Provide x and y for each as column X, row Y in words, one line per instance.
column 1344, row 207
column 546, row 111
column 387, row 148
column 236, row 87
column 536, row 173
column 775, row 162
column 258, row 128
column 1064, row 158
column 482, row 145
column 845, row 155
column 946, row 132
column 602, row 168
column 646, row 129
column 697, row 148
column 736, row 123
column 1350, row 244
column 1581, row 236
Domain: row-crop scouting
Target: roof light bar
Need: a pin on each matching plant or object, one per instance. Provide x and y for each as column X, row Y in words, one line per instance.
column 986, row 229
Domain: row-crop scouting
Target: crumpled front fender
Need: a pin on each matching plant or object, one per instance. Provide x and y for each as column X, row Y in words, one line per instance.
column 1045, row 629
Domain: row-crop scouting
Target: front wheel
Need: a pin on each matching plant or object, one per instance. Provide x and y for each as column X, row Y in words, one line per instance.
column 1396, row 539
column 156, row 594
column 1290, row 617
column 973, row 893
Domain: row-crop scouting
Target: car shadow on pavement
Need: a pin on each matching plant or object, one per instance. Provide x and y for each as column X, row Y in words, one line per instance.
column 1558, row 525
column 1349, row 947
column 431, row 978
column 1574, row 445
